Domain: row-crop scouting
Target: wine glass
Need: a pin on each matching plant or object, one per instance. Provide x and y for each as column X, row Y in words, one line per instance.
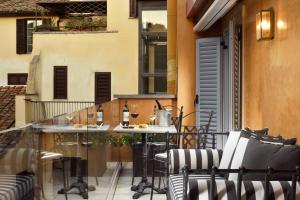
column 70, row 118
column 134, row 113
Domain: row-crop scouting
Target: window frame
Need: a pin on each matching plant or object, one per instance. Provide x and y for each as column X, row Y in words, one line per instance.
column 18, row 75
column 26, row 38
column 55, row 96
column 142, row 6
column 97, row 74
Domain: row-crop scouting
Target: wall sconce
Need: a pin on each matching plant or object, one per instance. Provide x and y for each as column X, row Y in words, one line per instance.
column 265, row 25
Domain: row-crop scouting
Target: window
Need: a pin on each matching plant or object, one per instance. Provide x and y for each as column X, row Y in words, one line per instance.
column 17, row 78
column 133, row 8
column 25, row 28
column 102, row 87
column 153, row 48
column 60, row 82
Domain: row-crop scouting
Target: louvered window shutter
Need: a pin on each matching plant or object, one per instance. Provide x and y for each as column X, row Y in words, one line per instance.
column 133, row 8
column 102, row 87
column 21, row 36
column 208, row 81
column 60, row 82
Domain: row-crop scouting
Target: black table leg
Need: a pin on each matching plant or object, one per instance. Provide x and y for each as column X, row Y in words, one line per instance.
column 80, row 184
column 139, row 189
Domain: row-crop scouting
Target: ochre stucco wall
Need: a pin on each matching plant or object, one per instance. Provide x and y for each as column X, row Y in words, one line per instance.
column 87, row 53
column 272, row 70
column 185, row 60
column 10, row 61
column 172, row 37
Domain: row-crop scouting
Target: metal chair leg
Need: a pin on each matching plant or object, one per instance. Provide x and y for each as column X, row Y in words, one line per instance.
column 133, row 171
column 133, row 166
column 64, row 177
column 159, row 181
column 153, row 176
column 97, row 182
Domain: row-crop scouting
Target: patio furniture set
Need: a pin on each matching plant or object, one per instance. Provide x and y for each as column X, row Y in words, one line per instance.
column 252, row 164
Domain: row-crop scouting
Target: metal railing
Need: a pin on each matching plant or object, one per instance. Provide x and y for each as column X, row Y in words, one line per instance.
column 268, row 173
column 44, row 110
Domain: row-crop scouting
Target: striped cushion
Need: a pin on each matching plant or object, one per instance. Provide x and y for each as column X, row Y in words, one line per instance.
column 161, row 156
column 14, row 187
column 194, row 158
column 254, row 190
column 238, row 157
column 17, row 160
column 176, row 184
column 229, row 149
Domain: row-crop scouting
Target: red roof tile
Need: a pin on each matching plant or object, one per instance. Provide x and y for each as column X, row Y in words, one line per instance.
column 19, row 7
column 7, row 105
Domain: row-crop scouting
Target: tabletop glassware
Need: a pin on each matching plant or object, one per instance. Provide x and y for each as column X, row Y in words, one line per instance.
column 69, row 117
column 134, row 113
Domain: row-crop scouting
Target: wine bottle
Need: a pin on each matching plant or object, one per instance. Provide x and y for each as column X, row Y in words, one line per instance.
column 125, row 115
column 159, row 105
column 100, row 115
column 153, row 116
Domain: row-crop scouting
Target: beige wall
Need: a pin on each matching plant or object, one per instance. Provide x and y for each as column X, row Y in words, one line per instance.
column 10, row 61
column 272, row 92
column 20, row 112
column 186, row 59
column 115, row 51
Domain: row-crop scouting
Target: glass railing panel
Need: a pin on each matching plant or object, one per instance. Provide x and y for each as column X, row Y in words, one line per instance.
column 88, row 153
column 18, row 163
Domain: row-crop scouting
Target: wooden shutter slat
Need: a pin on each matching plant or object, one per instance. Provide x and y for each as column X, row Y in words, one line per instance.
column 102, row 87
column 60, row 86
column 21, row 36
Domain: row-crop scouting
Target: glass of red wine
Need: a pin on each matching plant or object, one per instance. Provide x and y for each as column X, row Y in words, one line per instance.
column 134, row 113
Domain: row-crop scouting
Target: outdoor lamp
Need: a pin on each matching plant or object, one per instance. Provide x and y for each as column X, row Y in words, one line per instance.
column 265, row 25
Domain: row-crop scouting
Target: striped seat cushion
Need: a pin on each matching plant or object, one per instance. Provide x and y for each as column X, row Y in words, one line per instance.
column 17, row 160
column 250, row 190
column 176, row 184
column 161, row 156
column 229, row 149
column 194, row 159
column 14, row 187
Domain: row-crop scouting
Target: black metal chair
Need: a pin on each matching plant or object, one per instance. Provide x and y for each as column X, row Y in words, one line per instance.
column 186, row 137
column 160, row 155
column 197, row 136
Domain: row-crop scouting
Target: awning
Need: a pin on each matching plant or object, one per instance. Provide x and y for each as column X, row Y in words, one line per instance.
column 216, row 10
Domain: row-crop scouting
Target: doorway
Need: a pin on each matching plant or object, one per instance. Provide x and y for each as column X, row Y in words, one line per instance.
column 219, row 79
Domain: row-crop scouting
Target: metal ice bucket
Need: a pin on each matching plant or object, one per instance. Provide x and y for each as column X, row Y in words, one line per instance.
column 164, row 118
